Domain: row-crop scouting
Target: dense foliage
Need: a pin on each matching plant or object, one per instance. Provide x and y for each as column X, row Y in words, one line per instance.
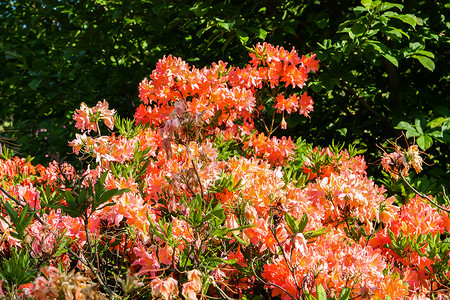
column 229, row 178
column 197, row 198
column 383, row 64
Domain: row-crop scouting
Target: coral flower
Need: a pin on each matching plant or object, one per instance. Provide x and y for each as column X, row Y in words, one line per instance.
column 167, row 289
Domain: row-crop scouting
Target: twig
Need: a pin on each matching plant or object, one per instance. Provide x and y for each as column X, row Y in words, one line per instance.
column 364, row 103
column 423, row 195
column 445, row 195
column 222, row 293
column 271, row 124
column 291, row 269
column 198, row 177
column 111, row 294
column 270, row 283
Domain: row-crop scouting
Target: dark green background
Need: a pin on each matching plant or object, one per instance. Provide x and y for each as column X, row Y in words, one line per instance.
column 377, row 69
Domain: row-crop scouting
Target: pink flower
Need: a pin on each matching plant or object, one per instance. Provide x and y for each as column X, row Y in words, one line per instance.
column 1, row 288
column 82, row 116
column 105, row 114
column 395, row 163
column 167, row 289
column 87, row 118
column 193, row 286
column 414, row 157
column 147, row 259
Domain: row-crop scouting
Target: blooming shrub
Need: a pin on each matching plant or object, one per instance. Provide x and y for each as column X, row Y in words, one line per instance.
column 165, row 209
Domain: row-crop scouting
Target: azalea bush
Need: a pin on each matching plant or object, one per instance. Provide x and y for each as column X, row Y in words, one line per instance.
column 196, row 198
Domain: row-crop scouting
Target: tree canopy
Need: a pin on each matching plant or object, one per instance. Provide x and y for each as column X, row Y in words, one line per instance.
column 384, row 66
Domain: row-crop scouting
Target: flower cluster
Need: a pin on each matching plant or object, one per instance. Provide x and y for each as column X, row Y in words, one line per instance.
column 399, row 162
column 57, row 284
column 181, row 98
column 412, row 258
column 163, row 211
column 88, row 118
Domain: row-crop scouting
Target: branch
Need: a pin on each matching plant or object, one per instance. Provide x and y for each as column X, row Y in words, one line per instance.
column 423, row 195
column 270, row 283
column 198, row 177
column 222, row 293
column 291, row 269
column 363, row 102
column 111, row 294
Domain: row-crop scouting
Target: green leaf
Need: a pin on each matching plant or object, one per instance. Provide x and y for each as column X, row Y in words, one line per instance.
column 390, row 58
column 12, row 213
column 106, row 205
column 230, row 261
column 242, row 35
column 262, row 34
column 321, row 294
column 436, row 134
column 342, row 131
column 395, row 32
column 337, row 56
column 239, row 239
column 34, row 84
column 21, row 221
column 220, row 232
column 259, row 32
column 366, row 4
column 316, row 86
column 424, row 142
column 424, row 53
column 410, row 129
column 62, row 248
column 25, row 217
column 242, row 227
column 11, row 55
column 217, row 212
column 345, row 294
column 82, row 197
column 418, row 124
column 227, row 25
column 105, row 196
column 437, row 122
column 391, row 235
column 99, row 185
column 289, row 29
column 357, row 29
column 409, row 19
column 302, row 223
column 425, row 61
column 18, row 269
column 292, row 223
column 70, row 199
column 315, row 233
column 386, row 5
column 383, row 50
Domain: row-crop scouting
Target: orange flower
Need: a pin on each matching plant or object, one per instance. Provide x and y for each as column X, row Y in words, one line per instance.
column 275, row 150
column 289, row 105
column 310, row 63
column 306, row 104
